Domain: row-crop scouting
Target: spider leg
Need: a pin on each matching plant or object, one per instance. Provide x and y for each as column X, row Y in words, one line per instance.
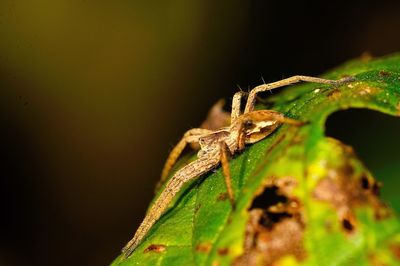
column 285, row 82
column 224, row 155
column 187, row 173
column 286, row 120
column 270, row 115
column 191, row 136
column 235, row 112
column 241, row 140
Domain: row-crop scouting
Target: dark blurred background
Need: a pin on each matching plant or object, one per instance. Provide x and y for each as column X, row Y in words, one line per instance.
column 93, row 94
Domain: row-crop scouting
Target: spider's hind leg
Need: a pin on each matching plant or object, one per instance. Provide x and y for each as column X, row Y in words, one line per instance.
column 191, row 136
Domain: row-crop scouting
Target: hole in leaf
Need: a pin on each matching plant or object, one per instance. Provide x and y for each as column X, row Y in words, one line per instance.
column 275, row 226
column 364, row 182
column 271, row 197
column 270, row 219
column 375, row 139
column 347, row 225
column 268, row 198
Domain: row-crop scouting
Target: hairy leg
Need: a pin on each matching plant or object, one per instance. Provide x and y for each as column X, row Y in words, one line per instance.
column 189, row 172
column 241, row 140
column 190, row 136
column 270, row 115
column 286, row 120
column 235, row 112
column 285, row 82
column 224, row 155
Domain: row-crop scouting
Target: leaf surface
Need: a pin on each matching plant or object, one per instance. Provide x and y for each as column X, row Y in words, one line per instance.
column 302, row 198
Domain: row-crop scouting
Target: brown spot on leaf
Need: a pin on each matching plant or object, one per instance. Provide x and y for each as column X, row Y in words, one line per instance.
column 286, row 184
column 367, row 90
column 395, row 248
column 223, row 251
column 384, row 73
column 155, row 248
column 334, row 94
column 223, row 196
column 275, row 227
column 343, row 195
column 264, row 246
column 203, row 247
column 345, row 190
column 375, row 260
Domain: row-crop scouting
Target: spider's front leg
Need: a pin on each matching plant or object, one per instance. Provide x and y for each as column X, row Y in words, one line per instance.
column 224, row 149
column 191, row 136
column 288, row 81
column 235, row 112
column 224, row 158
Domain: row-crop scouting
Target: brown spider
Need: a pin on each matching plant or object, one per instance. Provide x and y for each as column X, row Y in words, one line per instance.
column 216, row 146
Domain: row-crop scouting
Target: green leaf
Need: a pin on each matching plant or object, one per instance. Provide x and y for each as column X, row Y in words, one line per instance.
column 302, row 198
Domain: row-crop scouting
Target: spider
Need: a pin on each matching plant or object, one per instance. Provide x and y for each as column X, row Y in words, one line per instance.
column 217, row 145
